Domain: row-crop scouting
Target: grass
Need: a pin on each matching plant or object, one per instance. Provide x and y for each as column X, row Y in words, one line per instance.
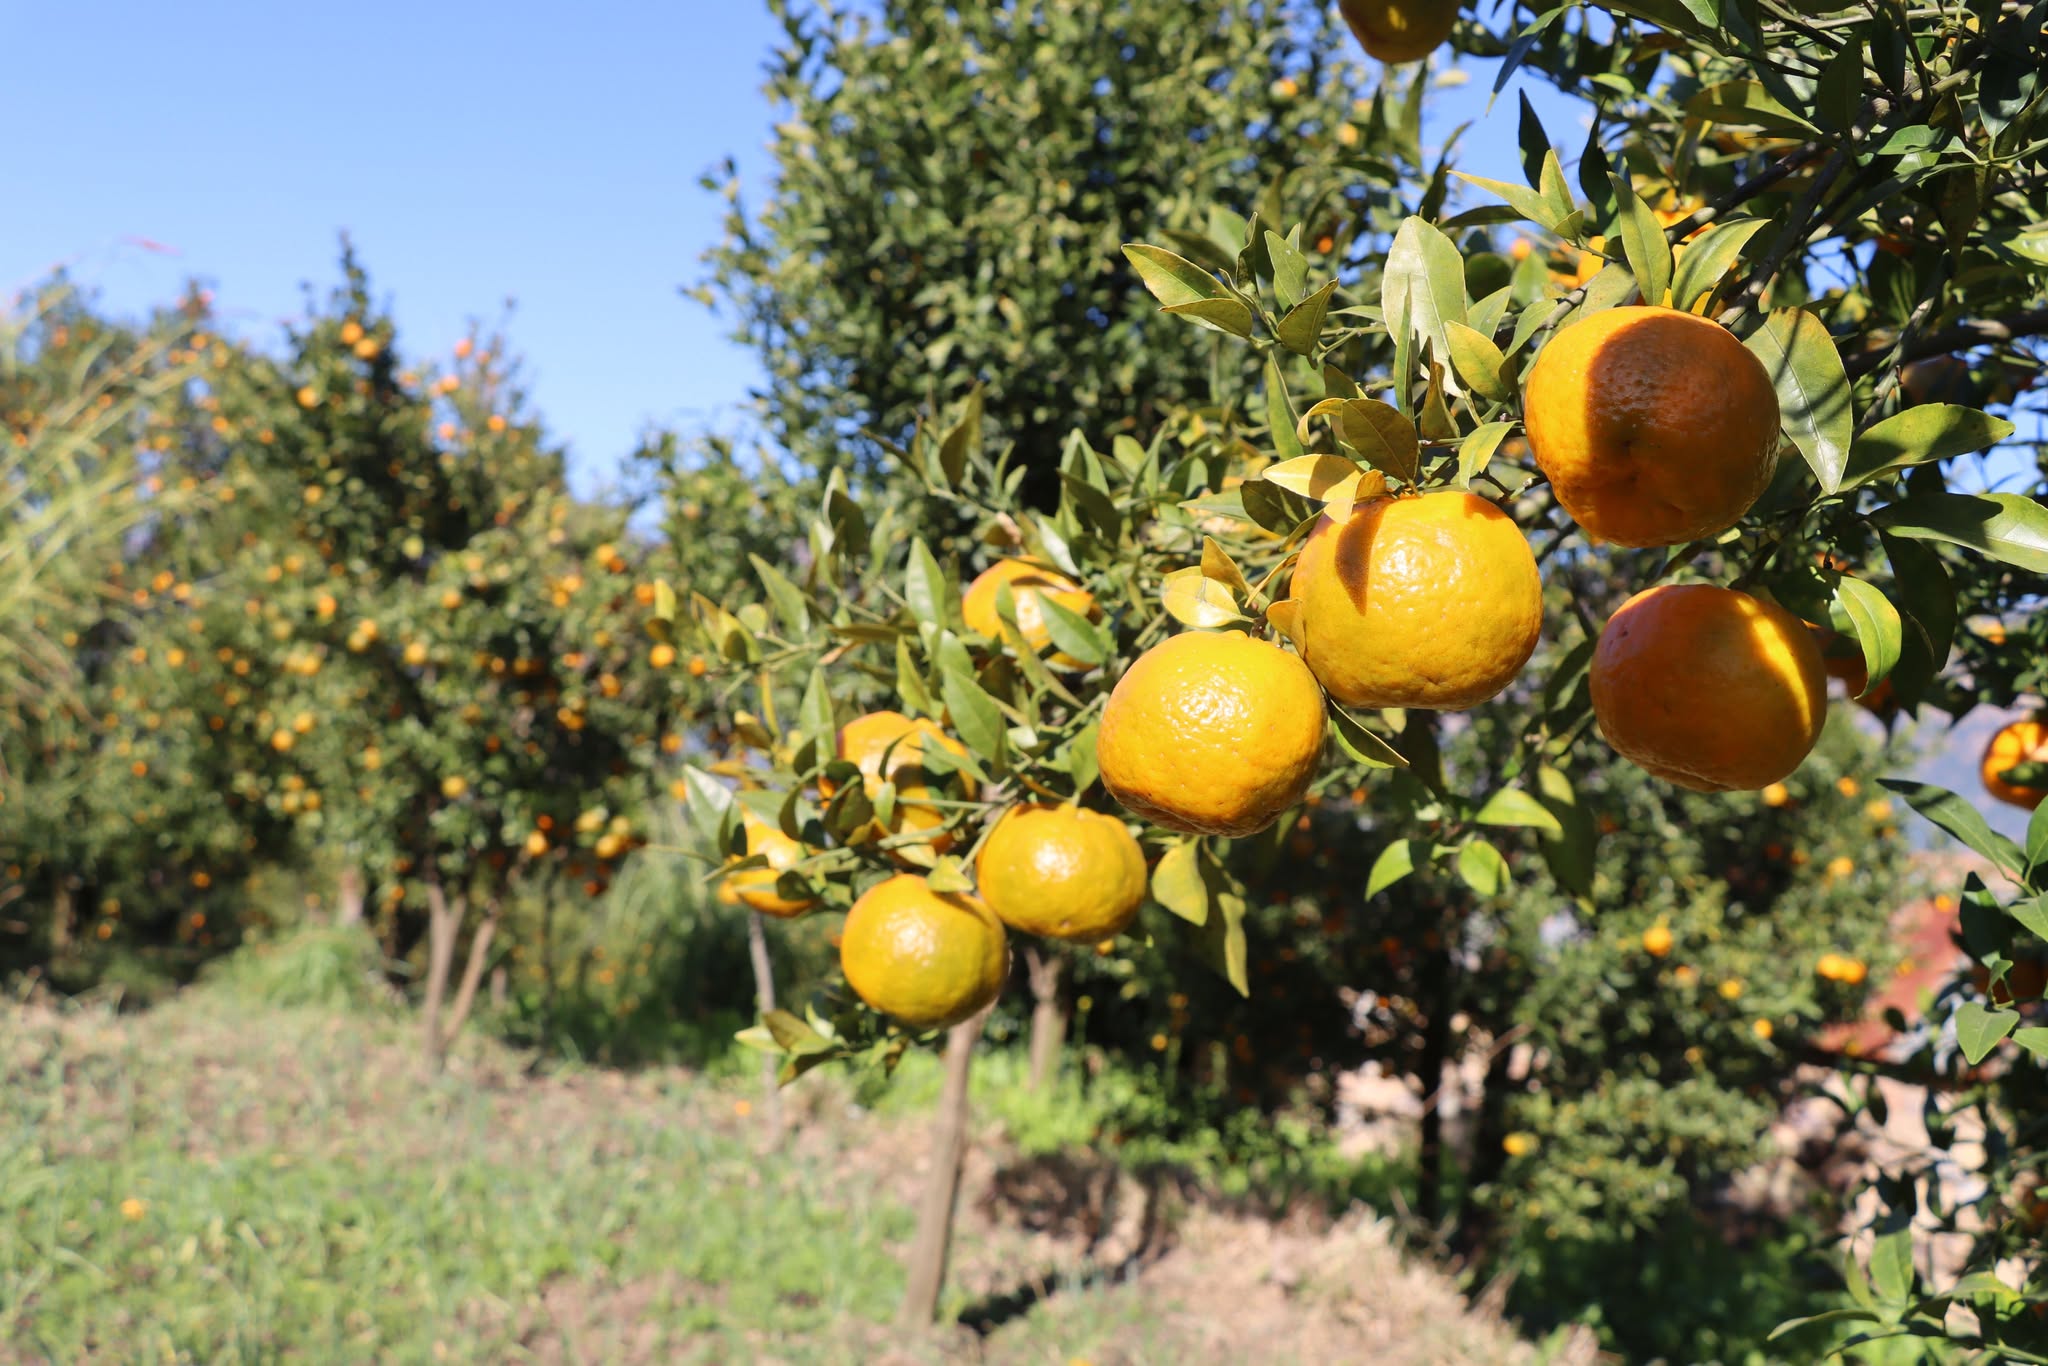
column 219, row 1181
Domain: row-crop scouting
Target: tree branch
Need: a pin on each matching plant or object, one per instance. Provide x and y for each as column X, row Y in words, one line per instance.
column 1957, row 337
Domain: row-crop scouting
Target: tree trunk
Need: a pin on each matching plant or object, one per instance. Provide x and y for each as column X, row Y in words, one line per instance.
column 444, row 922
column 501, row 988
column 927, row 1269
column 472, row 975
column 547, row 970
column 764, row 1001
column 1474, row 1226
column 62, row 914
column 348, row 895
column 1048, row 1016
column 1436, row 1043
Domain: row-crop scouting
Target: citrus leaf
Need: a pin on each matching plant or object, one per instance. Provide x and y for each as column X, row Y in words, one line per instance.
column 1218, row 566
column 1311, row 476
column 1395, row 862
column 1422, row 286
column 1891, row 1265
column 1232, row 315
column 1642, row 240
column 1220, row 941
column 1813, row 389
column 1527, row 202
column 1707, row 258
column 2034, row 1039
column 1383, row 436
column 1285, row 617
column 1925, row 432
column 924, row 586
column 962, row 441
column 1476, row 451
column 1178, row 883
column 789, row 603
column 1746, row 104
column 1173, row 279
column 1198, row 601
column 1482, row 868
column 1876, row 622
column 2032, row 912
column 1979, row 1029
column 1302, row 328
column 1479, row 362
column 2004, row 526
column 1290, row 269
column 975, row 716
column 1511, row 806
column 1570, row 855
column 1364, row 744
column 1960, row 819
column 1072, row 634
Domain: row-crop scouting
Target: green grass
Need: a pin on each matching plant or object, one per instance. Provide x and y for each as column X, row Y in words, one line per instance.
column 223, row 1180
column 348, row 1210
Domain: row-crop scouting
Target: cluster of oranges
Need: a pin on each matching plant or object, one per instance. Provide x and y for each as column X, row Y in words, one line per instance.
column 1654, row 428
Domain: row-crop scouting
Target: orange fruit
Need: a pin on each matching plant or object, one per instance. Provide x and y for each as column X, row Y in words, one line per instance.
column 1029, row 585
column 1062, row 872
column 1653, row 426
column 755, row 887
column 453, row 786
column 2022, row 742
column 1430, row 601
column 1400, row 30
column 662, row 655
column 1708, row 688
column 927, row 958
column 1657, row 940
column 1212, row 733
column 889, row 747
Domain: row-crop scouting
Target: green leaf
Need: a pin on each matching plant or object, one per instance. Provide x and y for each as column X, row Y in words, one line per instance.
column 1302, row 328
column 1844, row 1315
column 924, row 586
column 1174, row 279
column 1315, row 477
column 791, row 1032
column 1513, row 807
column 1706, row 259
column 1179, row 885
column 789, row 603
column 1093, row 506
column 1479, row 362
column 709, row 804
column 1422, row 286
column 2032, row 912
column 1280, row 426
column 1224, row 315
column 1891, row 1265
column 1960, row 819
column 910, row 685
column 1217, row 565
column 1383, row 437
column 1570, row 856
column 1746, row 104
column 1482, row 868
column 1813, row 389
column 2004, row 526
column 976, row 717
column 1193, row 600
column 2034, row 1039
column 1927, row 600
column 1395, row 862
column 1072, row 634
column 1529, row 203
column 1876, row 623
column 1220, row 941
column 1362, row 743
column 1979, row 1029
column 1642, row 240
column 964, row 440
column 1290, row 269
column 1476, row 451
column 1926, row 432
column 2037, row 836
column 815, row 714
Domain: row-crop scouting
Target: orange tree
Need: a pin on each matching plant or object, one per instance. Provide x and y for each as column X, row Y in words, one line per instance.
column 422, row 652
column 1728, row 482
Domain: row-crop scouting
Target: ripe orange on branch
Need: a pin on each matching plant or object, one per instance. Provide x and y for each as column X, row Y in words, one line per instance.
column 1708, row 688
column 1212, row 733
column 1062, row 872
column 755, row 887
column 1654, row 427
column 2022, row 742
column 927, row 958
column 1430, row 601
column 1400, row 30
column 889, row 747
column 1029, row 585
